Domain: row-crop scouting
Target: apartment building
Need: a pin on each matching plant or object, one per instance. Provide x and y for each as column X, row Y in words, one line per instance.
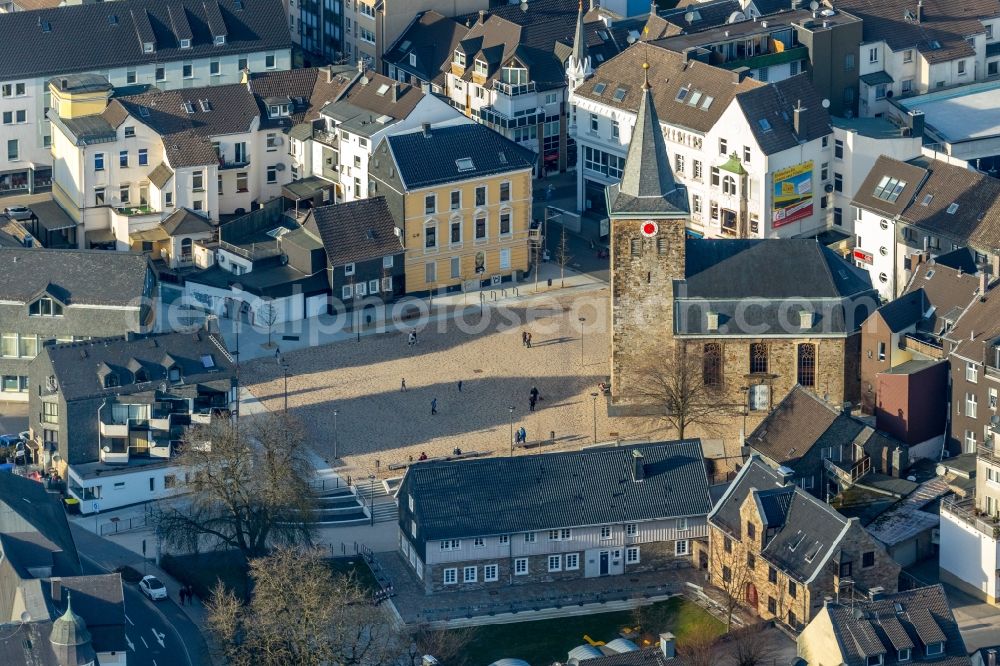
column 170, row 45
column 51, row 296
column 750, row 154
column 336, row 147
column 796, row 549
column 922, row 206
column 462, row 196
column 917, row 46
column 553, row 517
column 970, row 529
column 109, row 414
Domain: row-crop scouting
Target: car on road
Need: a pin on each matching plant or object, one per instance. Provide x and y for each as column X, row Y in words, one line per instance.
column 10, row 440
column 18, row 212
column 153, row 588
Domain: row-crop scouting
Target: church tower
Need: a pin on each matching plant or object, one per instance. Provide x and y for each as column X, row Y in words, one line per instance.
column 578, row 64
column 649, row 214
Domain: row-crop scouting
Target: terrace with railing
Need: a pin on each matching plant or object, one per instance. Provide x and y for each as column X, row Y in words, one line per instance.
column 964, row 509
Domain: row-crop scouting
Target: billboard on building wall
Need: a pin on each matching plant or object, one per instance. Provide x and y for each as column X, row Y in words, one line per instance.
column 793, row 198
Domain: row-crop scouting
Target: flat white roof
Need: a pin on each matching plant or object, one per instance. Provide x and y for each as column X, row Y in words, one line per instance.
column 960, row 114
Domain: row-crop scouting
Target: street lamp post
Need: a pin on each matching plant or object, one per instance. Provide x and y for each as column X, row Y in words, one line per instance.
column 746, row 412
column 284, row 373
column 582, row 321
column 371, row 497
column 511, row 431
column 335, row 453
column 594, row 396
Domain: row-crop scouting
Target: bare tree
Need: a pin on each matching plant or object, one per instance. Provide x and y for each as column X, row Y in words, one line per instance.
column 699, row 645
column 268, row 315
column 563, row 257
column 677, row 385
column 750, row 645
column 301, row 613
column 729, row 573
column 447, row 646
column 248, row 487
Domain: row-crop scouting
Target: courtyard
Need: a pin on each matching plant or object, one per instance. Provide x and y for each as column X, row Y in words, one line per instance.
column 376, row 421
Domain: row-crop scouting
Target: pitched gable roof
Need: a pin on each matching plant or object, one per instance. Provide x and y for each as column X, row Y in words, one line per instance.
column 79, row 276
column 775, row 104
column 112, row 39
column 430, row 40
column 356, row 231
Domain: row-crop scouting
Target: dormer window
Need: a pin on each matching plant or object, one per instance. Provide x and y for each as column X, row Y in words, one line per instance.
column 481, row 68
column 220, row 40
column 111, row 381
column 141, row 376
column 185, row 43
column 459, row 58
column 515, row 75
column 147, row 47
column 413, row 60
column 903, row 655
column 935, row 649
column 45, row 307
column 279, row 110
column 874, row 660
column 174, row 373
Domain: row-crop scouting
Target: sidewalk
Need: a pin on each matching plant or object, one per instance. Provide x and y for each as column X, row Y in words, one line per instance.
column 190, row 623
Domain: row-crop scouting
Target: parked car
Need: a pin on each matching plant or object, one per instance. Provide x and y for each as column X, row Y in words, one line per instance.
column 10, row 440
column 18, row 212
column 153, row 588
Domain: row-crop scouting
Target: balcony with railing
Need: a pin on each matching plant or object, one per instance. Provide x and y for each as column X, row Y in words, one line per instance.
column 964, row 510
column 847, row 473
column 491, row 116
column 326, row 138
column 514, row 89
column 240, row 162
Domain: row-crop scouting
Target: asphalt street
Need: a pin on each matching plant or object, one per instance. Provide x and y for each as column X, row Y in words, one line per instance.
column 158, row 633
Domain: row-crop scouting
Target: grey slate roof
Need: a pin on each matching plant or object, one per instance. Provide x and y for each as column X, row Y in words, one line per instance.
column 79, row 367
column 647, row 184
column 261, row 25
column 25, row 506
column 807, row 529
column 269, row 278
column 185, row 222
column 425, row 161
column 905, row 311
column 431, row 38
column 356, row 231
column 913, row 619
column 161, row 175
column 504, row 495
column 73, row 276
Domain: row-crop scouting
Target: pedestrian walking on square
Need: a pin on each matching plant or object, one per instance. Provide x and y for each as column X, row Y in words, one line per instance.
column 411, row 338
column 402, row 384
column 524, row 338
column 531, row 404
column 434, row 406
column 459, row 385
column 523, row 434
column 190, row 589
column 413, row 333
column 529, row 340
column 183, row 595
column 534, row 392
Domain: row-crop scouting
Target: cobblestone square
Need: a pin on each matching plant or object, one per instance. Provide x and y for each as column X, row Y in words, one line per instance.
column 376, row 420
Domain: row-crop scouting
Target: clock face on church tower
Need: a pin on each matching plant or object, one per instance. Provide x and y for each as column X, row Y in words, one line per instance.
column 649, row 228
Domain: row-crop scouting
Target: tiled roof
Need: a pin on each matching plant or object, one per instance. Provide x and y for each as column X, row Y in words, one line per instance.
column 905, row 311
column 976, row 332
column 373, row 100
column 52, row 37
column 307, row 90
column 26, row 506
column 185, row 222
column 669, row 72
column 946, row 288
column 73, row 276
column 161, row 175
column 505, row 495
column 939, row 36
column 912, row 619
column 187, row 136
column 775, row 104
column 80, row 366
column 795, row 425
column 431, row 39
column 356, row 231
column 810, row 529
column 705, row 15
column 938, row 198
column 425, row 161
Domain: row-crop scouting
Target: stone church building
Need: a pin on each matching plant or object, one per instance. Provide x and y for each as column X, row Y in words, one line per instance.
column 756, row 316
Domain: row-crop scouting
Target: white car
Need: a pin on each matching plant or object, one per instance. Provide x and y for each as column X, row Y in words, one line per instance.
column 153, row 588
column 18, row 212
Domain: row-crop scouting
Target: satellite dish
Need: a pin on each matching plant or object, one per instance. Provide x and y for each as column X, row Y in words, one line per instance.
column 689, row 17
column 25, row 617
column 826, row 103
column 814, row 5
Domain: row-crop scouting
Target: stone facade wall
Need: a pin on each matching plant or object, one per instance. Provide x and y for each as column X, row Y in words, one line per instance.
column 642, row 299
column 659, row 556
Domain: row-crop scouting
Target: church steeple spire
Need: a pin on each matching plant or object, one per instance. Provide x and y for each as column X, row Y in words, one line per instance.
column 578, row 63
column 647, row 185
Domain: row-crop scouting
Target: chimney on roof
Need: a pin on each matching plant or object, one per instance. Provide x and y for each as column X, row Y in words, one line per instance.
column 876, row 593
column 797, row 118
column 900, row 461
column 667, row 647
column 395, row 91
column 991, row 657
column 56, row 584
column 785, row 476
column 361, row 66
column 482, row 16
column 593, row 5
column 984, row 281
column 426, row 129
column 638, row 465
column 920, row 11
column 329, row 73
column 425, row 87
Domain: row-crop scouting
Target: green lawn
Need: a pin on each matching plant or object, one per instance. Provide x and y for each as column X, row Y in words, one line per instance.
column 544, row 641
